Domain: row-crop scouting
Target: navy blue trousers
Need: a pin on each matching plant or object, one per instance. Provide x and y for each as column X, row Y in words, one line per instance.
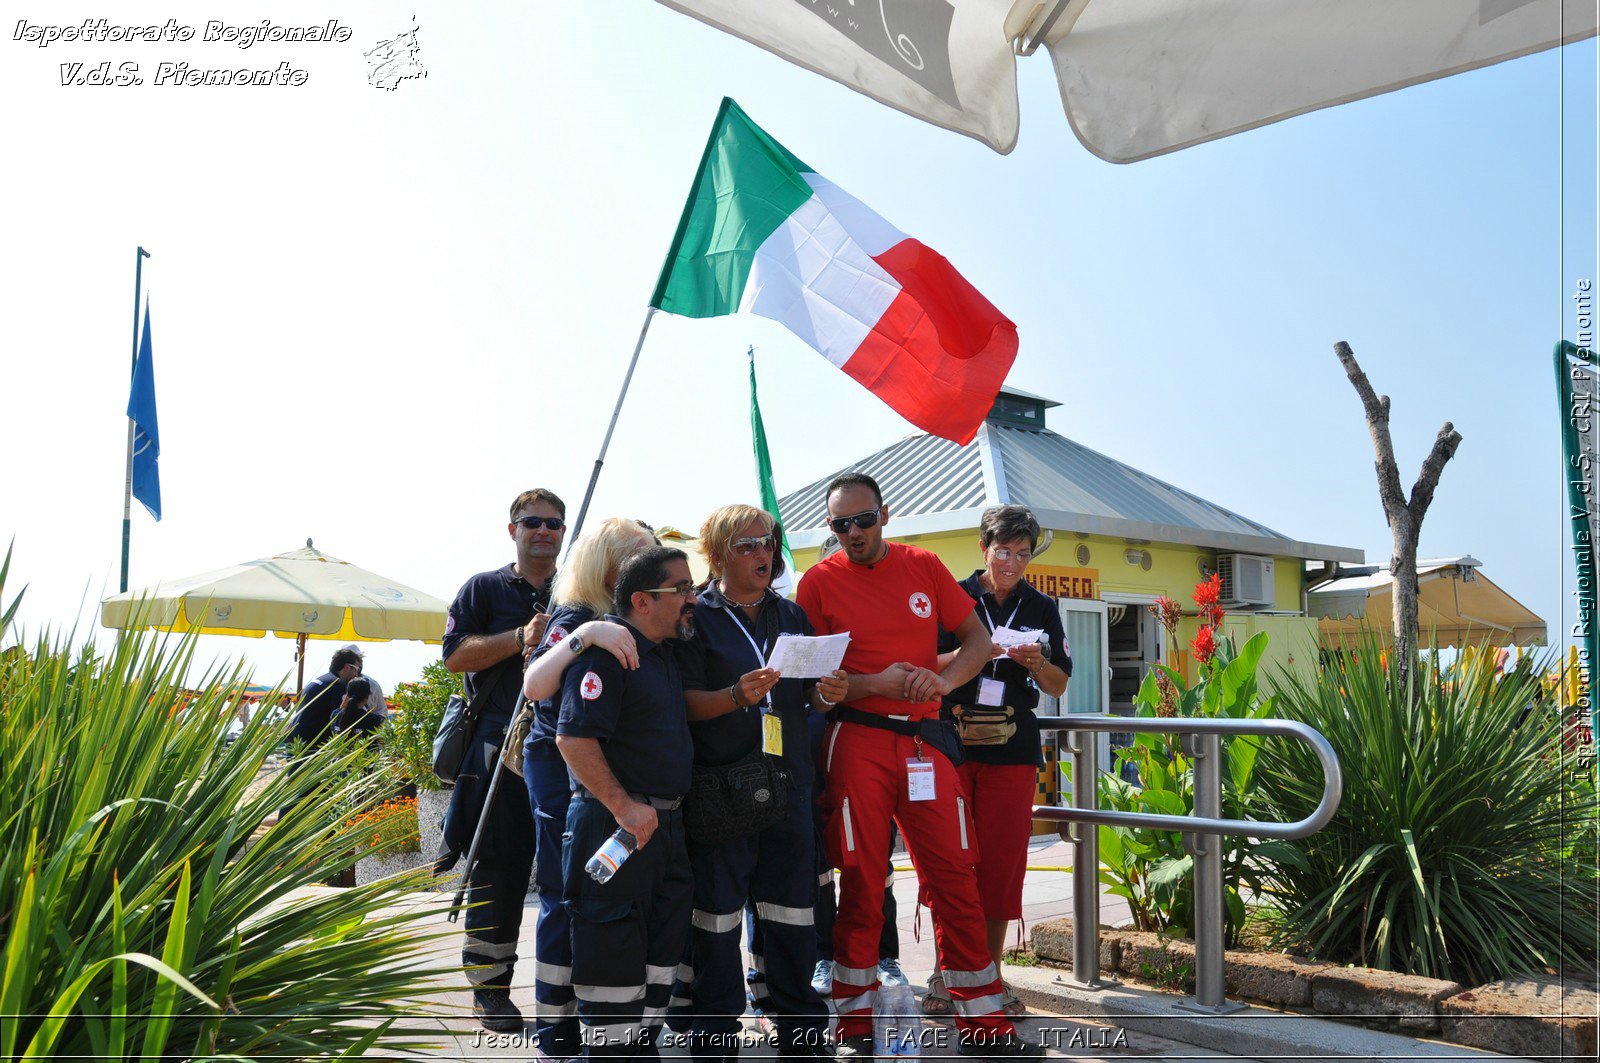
column 774, row 873
column 555, row 1008
column 498, row 879
column 628, row 935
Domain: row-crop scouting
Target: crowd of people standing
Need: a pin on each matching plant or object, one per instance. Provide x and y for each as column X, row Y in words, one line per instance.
column 621, row 688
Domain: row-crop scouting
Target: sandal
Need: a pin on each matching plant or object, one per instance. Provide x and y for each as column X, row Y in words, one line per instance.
column 936, row 1001
column 1013, row 1007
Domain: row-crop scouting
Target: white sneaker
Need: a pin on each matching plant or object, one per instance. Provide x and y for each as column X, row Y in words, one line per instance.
column 889, row 972
column 822, row 978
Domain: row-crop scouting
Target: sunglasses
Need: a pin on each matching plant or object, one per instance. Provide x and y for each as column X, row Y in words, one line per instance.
column 747, row 546
column 1000, row 553
column 535, row 523
column 863, row 520
column 682, row 590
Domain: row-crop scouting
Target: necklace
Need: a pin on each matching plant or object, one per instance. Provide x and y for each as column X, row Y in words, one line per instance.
column 742, row 605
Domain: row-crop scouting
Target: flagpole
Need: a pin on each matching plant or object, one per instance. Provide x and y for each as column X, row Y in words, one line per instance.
column 605, row 444
column 127, row 486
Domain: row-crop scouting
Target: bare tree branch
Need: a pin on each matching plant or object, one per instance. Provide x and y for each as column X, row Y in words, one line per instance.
column 1444, row 448
column 1404, row 518
column 1390, row 493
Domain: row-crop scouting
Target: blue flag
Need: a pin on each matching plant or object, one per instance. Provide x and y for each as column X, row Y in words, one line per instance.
column 146, row 436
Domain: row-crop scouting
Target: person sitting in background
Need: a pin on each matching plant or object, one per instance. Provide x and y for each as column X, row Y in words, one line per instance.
column 321, row 698
column 355, row 708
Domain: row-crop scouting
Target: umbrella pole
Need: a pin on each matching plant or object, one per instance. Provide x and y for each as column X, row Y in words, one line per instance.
column 300, row 663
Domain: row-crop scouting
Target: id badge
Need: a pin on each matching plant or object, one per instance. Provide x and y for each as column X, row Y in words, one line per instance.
column 919, row 779
column 991, row 692
column 772, row 734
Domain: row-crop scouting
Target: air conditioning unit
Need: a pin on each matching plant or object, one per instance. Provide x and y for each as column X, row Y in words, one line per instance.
column 1246, row 580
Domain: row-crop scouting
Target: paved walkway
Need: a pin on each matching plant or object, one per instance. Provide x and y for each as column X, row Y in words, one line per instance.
column 1046, row 895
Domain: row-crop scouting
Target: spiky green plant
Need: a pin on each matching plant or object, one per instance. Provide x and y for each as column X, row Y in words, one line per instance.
column 139, row 917
column 1449, row 854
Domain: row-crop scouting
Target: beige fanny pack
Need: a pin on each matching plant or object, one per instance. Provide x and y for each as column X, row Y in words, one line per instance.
column 985, row 725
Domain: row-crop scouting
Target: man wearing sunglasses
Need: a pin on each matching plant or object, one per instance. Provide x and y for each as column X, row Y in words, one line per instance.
column 889, row 759
column 625, row 737
column 495, row 619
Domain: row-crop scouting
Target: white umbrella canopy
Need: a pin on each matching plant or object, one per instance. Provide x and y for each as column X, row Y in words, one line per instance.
column 303, row 592
column 298, row 595
column 1456, row 606
column 1140, row 78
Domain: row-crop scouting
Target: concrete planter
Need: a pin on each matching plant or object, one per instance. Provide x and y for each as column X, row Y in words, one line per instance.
column 372, row 868
column 431, row 807
column 1381, row 996
column 1539, row 1018
column 1534, row 1018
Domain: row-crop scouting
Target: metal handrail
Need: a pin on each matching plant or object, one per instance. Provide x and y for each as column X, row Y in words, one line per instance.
column 1203, row 743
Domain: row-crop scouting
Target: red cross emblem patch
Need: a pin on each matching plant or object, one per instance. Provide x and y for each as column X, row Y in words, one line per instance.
column 921, row 606
column 590, row 687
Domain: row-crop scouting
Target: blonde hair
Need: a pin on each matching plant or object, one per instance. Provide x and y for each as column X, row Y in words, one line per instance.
column 724, row 524
column 591, row 569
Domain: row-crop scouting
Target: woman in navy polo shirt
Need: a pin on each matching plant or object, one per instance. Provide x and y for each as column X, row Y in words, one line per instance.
column 999, row 730
column 730, row 694
column 581, row 594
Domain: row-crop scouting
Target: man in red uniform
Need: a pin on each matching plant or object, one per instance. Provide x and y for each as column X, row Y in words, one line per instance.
column 883, row 761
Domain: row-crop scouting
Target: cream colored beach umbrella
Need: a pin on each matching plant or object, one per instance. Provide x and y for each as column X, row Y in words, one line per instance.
column 300, row 595
column 1140, row 78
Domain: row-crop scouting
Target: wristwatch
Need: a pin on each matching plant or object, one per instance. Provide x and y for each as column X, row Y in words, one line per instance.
column 575, row 644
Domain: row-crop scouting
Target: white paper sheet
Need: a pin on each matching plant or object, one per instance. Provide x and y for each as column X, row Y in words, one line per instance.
column 798, row 657
column 1007, row 637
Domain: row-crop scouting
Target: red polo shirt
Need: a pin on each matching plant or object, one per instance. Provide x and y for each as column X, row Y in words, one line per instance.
column 893, row 611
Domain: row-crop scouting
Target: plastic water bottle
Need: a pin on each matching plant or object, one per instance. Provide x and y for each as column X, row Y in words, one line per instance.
column 896, row 1023
column 606, row 859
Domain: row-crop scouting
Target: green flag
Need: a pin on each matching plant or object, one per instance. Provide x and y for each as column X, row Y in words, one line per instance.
column 1578, row 386
column 769, row 494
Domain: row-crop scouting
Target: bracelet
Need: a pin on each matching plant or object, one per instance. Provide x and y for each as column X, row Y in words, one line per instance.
column 825, row 701
column 733, row 696
column 519, row 636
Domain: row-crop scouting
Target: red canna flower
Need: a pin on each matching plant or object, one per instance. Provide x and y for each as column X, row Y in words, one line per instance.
column 1204, row 644
column 1208, row 591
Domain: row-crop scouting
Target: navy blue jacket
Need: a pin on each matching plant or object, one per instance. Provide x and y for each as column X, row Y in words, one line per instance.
column 722, row 651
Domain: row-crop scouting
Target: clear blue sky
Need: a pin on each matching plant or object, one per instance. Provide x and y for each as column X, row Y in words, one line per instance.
column 378, row 315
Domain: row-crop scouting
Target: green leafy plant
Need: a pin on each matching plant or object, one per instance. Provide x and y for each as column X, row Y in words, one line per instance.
column 1151, row 869
column 1450, row 853
column 415, row 712
column 1172, row 977
column 146, row 909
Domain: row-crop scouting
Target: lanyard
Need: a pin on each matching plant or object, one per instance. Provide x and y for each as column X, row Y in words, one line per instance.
column 994, row 665
column 761, row 653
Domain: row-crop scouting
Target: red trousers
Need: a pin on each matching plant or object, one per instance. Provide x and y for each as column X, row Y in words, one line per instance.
column 1002, row 810
column 867, row 787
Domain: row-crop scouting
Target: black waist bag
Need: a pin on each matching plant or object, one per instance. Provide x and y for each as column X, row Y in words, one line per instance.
column 936, row 731
column 737, row 800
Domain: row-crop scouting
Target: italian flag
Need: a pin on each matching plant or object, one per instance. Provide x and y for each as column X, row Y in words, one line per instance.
column 763, row 233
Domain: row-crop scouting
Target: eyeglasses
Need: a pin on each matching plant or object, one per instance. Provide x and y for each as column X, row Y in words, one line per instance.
column 534, row 523
column 1000, row 553
column 863, row 520
column 682, row 590
column 749, row 545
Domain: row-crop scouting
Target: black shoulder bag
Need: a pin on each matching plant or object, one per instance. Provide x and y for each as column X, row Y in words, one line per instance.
column 454, row 740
